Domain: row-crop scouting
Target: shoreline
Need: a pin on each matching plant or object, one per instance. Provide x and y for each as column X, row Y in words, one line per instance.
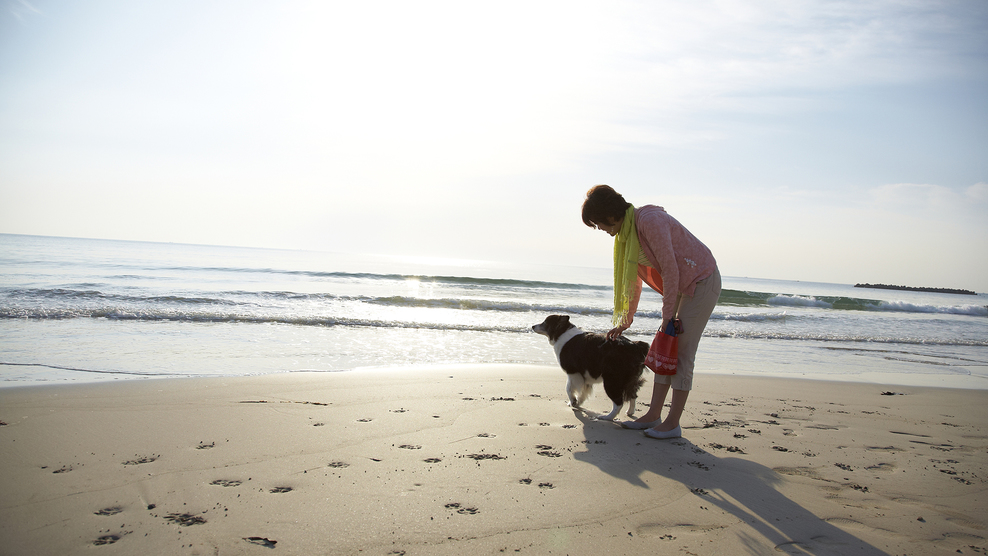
column 486, row 458
column 814, row 372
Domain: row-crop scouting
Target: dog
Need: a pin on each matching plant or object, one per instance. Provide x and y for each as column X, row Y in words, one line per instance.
column 590, row 358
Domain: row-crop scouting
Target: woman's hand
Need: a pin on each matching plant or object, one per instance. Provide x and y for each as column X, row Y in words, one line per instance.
column 676, row 324
column 614, row 333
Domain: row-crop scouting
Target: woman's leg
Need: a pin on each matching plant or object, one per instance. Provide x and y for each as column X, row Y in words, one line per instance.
column 671, row 421
column 654, row 413
column 694, row 312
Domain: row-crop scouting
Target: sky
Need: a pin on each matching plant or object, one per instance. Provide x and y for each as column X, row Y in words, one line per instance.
column 818, row 141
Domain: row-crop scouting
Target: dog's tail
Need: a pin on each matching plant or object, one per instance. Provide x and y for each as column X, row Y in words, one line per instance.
column 642, row 349
column 631, row 391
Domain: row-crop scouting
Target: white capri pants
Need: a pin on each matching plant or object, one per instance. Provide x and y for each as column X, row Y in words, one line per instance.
column 694, row 312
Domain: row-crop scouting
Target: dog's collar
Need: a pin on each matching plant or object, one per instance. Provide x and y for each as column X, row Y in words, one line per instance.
column 561, row 341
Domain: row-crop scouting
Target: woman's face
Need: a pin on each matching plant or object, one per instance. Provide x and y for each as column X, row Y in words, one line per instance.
column 611, row 227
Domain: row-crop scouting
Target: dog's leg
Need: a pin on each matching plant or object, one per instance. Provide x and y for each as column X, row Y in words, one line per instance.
column 574, row 383
column 631, row 407
column 610, row 416
column 587, row 390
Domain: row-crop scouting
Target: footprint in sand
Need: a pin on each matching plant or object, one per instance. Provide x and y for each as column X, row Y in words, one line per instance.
column 280, row 490
column 733, row 449
column 226, row 482
column 797, row 471
column 910, row 434
column 462, row 510
column 338, row 464
column 110, row 511
column 479, row 457
column 262, row 541
column 141, row 459
column 185, row 520
column 546, row 450
column 108, row 539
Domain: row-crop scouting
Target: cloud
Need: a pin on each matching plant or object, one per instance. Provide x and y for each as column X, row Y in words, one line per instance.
column 977, row 192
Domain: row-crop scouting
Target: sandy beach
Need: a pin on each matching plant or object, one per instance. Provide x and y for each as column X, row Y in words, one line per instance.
column 487, row 459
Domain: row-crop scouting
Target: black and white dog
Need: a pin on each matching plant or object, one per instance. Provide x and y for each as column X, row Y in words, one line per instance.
column 590, row 358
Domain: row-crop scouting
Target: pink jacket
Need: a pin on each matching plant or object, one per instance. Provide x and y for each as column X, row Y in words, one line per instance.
column 680, row 260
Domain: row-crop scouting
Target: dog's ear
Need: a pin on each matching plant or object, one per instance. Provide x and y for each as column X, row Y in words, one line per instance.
column 562, row 321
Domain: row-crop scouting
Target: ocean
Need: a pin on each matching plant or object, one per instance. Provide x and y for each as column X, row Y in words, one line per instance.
column 83, row 310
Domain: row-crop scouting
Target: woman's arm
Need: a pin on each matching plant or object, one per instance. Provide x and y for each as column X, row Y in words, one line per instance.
column 655, row 235
column 630, row 317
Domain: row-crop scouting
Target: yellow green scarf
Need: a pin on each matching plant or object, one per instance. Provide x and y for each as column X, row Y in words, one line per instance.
column 625, row 266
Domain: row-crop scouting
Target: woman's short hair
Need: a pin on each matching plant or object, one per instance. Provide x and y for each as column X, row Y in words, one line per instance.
column 603, row 206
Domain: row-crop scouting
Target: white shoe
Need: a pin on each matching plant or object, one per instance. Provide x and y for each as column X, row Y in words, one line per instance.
column 635, row 425
column 661, row 435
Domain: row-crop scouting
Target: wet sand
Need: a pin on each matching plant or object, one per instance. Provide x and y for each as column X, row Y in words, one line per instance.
column 487, row 460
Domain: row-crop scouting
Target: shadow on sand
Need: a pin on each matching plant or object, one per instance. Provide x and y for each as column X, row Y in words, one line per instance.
column 742, row 488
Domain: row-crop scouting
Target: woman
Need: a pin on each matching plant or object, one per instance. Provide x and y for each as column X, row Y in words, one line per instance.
column 651, row 246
